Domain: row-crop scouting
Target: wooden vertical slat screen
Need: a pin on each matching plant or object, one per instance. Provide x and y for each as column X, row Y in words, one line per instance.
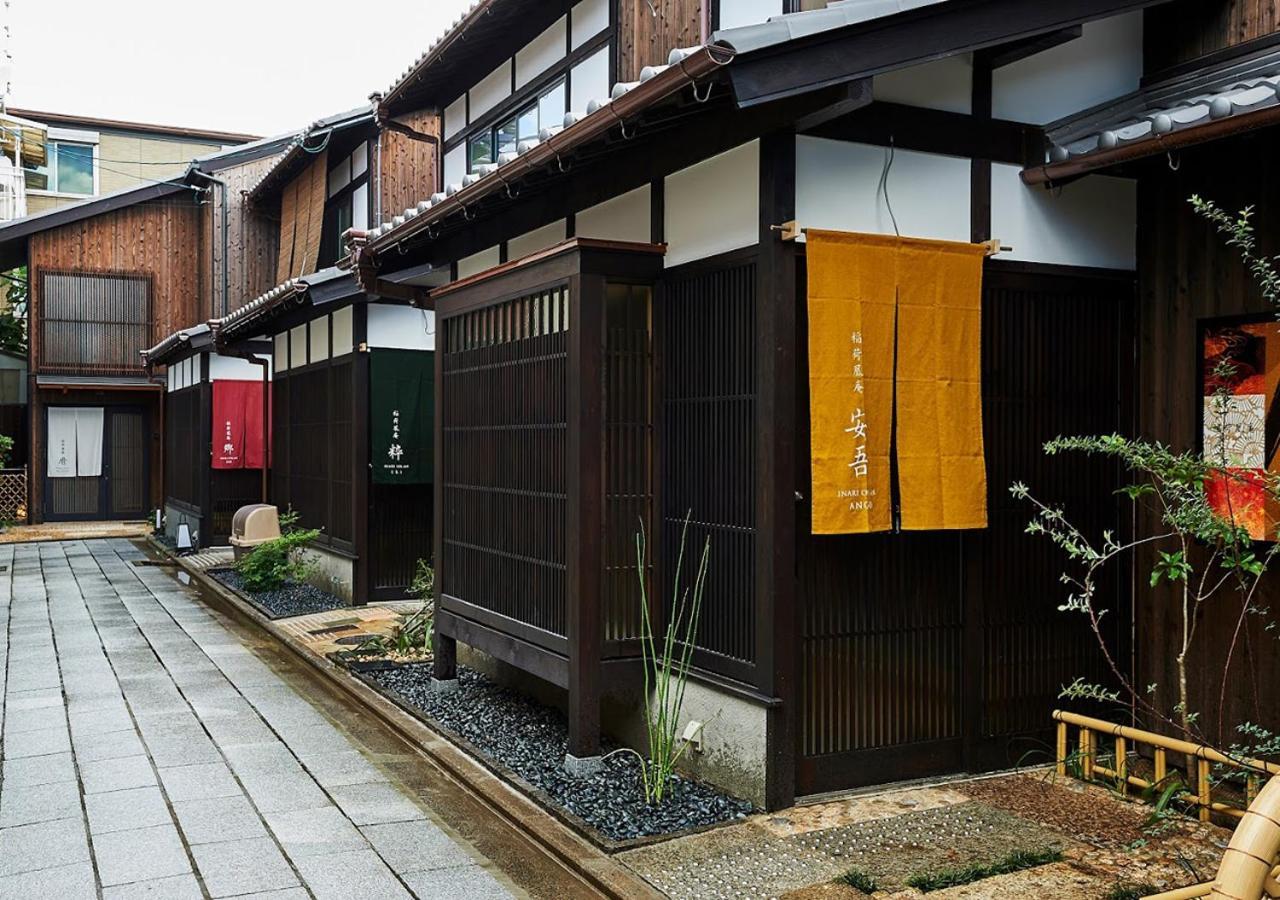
column 317, row 193
column 288, row 227
column 183, row 460
column 628, row 454
column 94, row 323
column 503, row 479
column 709, row 453
column 399, row 532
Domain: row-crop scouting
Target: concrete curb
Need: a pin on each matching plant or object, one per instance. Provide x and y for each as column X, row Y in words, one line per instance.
column 573, row 852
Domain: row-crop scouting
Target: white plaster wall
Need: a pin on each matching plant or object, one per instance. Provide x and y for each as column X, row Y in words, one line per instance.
column 590, row 81
column 298, row 346
column 622, row 218
column 1105, row 62
column 736, row 13
column 231, row 368
column 590, row 17
column 455, row 164
column 837, row 188
column 478, row 262
column 714, row 206
column 319, row 339
column 455, row 117
column 171, row 379
column 541, row 53
column 343, row 331
column 1090, row 222
column 282, row 352
column 401, row 327
column 538, row 239
column 491, row 90
column 945, row 84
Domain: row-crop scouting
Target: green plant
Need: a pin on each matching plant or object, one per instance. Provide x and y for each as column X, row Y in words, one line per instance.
column 666, row 667
column 6, row 448
column 424, row 581
column 859, row 881
column 1127, row 891
column 269, row 566
column 412, row 635
column 1013, row 862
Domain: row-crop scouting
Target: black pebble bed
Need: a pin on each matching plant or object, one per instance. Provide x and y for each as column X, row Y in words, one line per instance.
column 291, row 600
column 530, row 740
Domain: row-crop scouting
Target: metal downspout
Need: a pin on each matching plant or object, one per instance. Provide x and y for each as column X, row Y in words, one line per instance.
column 226, row 268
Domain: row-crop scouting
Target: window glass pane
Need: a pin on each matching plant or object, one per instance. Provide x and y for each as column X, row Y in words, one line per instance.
column 529, row 127
column 508, row 133
column 74, row 173
column 359, row 160
column 551, row 107
column 479, row 151
column 360, row 208
column 339, row 176
column 344, row 215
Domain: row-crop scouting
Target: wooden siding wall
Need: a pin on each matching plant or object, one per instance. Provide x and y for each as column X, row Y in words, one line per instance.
column 646, row 38
column 1185, row 274
column 252, row 242
column 1183, row 31
column 158, row 239
column 301, row 220
column 408, row 169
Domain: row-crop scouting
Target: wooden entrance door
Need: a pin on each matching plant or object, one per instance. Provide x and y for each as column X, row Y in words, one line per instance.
column 927, row 653
column 122, row 491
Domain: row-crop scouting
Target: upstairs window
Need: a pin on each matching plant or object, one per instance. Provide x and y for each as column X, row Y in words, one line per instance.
column 68, row 169
column 487, row 147
column 348, row 203
column 93, row 323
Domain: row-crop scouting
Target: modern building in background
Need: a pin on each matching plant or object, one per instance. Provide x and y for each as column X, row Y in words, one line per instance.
column 89, row 156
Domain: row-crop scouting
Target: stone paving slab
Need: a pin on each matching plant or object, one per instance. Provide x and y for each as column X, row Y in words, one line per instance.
column 146, row 753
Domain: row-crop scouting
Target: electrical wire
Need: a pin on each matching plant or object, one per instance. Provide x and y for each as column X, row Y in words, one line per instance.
column 884, row 185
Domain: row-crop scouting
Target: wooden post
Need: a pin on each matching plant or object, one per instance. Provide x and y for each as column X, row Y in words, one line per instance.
column 776, row 485
column 1203, row 788
column 361, row 427
column 1062, row 749
column 585, row 518
column 444, row 666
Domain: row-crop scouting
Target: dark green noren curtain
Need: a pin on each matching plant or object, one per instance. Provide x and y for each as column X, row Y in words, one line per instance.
column 402, row 406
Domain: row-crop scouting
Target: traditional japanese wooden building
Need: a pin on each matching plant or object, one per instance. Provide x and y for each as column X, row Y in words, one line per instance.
column 352, row 370
column 631, row 212
column 216, row 439
column 109, row 278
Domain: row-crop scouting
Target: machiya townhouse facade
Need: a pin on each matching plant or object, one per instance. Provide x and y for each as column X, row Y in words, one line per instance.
column 818, row 281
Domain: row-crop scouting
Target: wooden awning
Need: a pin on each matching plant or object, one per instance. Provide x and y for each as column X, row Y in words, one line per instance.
column 32, row 136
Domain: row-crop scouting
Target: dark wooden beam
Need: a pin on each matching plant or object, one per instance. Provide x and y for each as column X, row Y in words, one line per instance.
column 937, row 131
column 360, row 474
column 903, row 40
column 1009, row 54
column 851, row 97
column 776, row 594
column 585, row 506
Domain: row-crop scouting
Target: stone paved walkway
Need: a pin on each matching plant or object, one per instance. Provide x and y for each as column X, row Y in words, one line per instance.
column 148, row 753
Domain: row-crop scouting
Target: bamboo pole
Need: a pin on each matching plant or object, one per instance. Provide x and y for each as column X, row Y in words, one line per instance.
column 1203, row 788
column 1162, row 765
column 1086, row 754
column 1062, row 749
column 1122, row 766
column 1174, row 745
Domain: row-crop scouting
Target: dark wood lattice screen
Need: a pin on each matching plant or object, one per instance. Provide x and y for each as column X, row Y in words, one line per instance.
column 184, row 463
column 709, row 450
column 93, row 323
column 628, row 453
column 311, row 469
column 502, row 475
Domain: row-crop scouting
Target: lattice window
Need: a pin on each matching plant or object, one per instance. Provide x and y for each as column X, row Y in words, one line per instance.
column 93, row 323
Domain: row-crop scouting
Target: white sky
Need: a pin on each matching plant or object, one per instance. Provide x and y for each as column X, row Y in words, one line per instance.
column 256, row 66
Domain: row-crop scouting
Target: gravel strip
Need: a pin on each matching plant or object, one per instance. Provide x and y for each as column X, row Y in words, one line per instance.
column 291, row 600
column 531, row 740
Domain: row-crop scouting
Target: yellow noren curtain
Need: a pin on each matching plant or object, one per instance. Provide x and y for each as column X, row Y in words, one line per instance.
column 895, row 348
